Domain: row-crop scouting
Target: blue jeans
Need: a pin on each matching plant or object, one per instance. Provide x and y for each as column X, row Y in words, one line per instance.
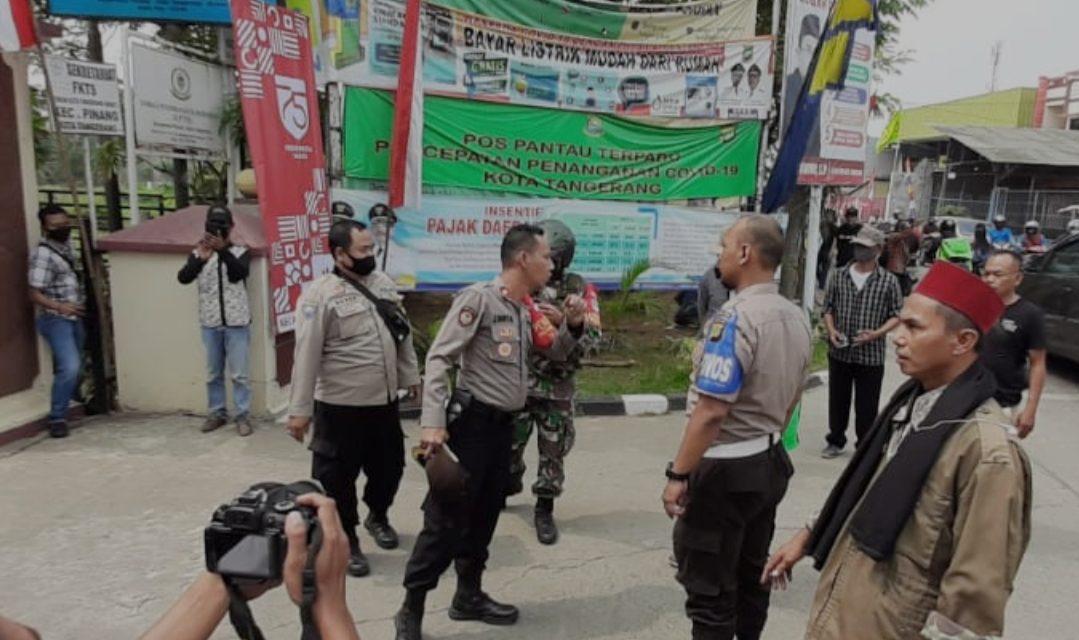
column 227, row 346
column 65, row 338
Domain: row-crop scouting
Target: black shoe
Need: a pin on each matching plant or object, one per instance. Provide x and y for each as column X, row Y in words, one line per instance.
column 480, row 606
column 58, row 430
column 380, row 529
column 546, row 530
column 358, row 566
column 409, row 625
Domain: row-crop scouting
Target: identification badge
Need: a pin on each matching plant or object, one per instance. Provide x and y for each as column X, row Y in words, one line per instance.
column 347, row 306
column 504, row 332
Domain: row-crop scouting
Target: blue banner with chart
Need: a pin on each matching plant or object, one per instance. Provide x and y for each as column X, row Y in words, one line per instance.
column 453, row 241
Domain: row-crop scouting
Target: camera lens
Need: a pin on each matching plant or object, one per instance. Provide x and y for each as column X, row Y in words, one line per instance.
column 284, row 506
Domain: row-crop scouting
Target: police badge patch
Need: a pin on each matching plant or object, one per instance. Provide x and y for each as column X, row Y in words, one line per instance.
column 720, row 372
column 466, row 317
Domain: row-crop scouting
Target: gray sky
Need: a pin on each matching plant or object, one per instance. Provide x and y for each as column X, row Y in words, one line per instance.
column 951, row 40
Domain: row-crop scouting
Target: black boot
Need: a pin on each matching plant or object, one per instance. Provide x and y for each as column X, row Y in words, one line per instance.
column 378, row 525
column 409, row 619
column 546, row 530
column 471, row 603
column 358, row 566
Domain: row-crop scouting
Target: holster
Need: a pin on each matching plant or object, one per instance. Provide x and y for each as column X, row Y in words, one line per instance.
column 460, row 400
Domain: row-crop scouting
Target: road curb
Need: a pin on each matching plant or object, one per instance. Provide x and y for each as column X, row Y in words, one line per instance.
column 634, row 404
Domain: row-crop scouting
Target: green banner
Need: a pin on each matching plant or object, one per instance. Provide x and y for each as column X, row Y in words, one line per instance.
column 553, row 153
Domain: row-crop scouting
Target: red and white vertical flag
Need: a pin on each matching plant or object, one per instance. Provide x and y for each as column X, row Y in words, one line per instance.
column 406, row 146
column 16, row 25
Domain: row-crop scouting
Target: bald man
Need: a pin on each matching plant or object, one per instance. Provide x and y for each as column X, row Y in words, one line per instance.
column 731, row 470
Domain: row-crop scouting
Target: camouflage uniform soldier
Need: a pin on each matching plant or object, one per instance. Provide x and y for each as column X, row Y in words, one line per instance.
column 552, row 387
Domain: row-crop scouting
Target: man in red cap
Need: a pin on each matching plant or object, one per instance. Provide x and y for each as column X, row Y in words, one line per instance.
column 924, row 532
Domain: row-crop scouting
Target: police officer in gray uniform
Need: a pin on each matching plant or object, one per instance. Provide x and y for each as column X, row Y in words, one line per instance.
column 731, row 470
column 488, row 331
column 347, row 371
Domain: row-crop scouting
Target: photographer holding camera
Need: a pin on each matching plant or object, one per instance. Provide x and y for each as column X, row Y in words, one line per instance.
column 221, row 269
column 200, row 609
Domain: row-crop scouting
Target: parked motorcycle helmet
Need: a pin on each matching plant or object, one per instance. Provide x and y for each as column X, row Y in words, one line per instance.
column 1073, row 226
column 947, row 228
column 1000, row 220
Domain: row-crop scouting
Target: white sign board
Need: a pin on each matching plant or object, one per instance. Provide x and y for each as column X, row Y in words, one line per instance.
column 178, row 101
column 87, row 97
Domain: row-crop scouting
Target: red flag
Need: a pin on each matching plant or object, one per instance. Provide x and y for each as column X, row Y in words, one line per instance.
column 16, row 25
column 277, row 88
column 406, row 147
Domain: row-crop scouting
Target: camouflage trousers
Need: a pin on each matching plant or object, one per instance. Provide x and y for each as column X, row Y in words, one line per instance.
column 553, row 422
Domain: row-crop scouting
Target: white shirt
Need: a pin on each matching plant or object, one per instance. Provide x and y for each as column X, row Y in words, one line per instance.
column 859, row 278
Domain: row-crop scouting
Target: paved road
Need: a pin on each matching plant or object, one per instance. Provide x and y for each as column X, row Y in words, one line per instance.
column 102, row 531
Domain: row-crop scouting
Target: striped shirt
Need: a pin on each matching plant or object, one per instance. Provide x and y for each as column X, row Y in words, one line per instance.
column 867, row 309
column 52, row 271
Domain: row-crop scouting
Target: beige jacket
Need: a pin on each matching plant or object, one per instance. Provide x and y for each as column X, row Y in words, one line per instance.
column 344, row 354
column 956, row 559
column 490, row 337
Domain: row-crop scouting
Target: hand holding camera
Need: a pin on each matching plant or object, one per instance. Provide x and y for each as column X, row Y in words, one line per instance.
column 203, row 250
column 291, row 533
column 330, row 609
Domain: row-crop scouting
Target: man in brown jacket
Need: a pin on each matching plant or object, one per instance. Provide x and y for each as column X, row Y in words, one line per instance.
column 924, row 532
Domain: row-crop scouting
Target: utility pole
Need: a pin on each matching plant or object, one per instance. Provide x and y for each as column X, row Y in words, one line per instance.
column 995, row 53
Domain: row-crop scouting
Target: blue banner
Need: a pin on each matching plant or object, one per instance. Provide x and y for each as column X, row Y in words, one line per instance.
column 828, row 70
column 193, row 11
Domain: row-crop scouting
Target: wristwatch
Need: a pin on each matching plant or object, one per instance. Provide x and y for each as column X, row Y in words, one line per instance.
column 677, row 477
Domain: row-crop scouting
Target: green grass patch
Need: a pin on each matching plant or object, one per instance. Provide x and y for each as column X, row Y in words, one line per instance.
column 658, row 368
column 820, row 355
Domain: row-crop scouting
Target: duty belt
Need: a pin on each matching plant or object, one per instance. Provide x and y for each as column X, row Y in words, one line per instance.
column 742, row 449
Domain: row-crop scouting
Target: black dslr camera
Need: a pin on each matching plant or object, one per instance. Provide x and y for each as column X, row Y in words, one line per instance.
column 245, row 541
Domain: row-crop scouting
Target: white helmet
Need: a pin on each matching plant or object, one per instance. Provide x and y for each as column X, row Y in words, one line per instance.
column 1073, row 226
column 1032, row 224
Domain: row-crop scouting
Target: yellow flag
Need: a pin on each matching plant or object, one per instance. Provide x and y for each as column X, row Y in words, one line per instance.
column 891, row 132
column 845, row 18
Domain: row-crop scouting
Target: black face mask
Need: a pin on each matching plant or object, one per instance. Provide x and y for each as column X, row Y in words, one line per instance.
column 864, row 254
column 362, row 266
column 60, row 235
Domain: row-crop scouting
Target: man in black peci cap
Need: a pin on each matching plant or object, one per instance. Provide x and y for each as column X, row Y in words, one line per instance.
column 221, row 268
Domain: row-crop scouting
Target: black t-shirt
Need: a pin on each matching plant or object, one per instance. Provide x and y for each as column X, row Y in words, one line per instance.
column 844, row 249
column 1006, row 347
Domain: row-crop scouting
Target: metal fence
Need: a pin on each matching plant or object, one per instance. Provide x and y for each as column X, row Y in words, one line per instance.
column 151, row 205
column 1041, row 205
column 966, row 207
column 1017, row 206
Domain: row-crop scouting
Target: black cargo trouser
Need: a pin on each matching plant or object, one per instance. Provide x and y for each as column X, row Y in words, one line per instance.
column 722, row 540
column 847, row 381
column 349, row 440
column 481, row 438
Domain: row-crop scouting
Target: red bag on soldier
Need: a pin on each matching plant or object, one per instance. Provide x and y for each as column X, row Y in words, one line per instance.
column 591, row 307
column 543, row 332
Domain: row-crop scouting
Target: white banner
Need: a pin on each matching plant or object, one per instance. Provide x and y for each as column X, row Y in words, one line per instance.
column 178, row 101
column 453, row 241
column 466, row 55
column 87, row 97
